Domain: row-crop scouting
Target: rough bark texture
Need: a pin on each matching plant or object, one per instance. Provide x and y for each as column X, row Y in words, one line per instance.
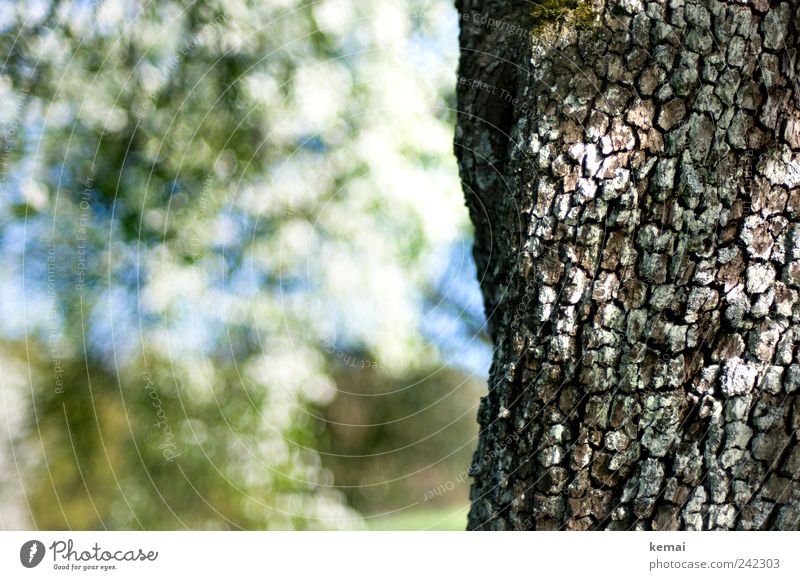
column 636, row 201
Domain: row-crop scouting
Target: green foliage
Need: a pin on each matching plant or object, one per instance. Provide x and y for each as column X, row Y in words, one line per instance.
column 228, row 187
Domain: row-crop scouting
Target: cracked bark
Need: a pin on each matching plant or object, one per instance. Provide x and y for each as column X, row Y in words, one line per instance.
column 632, row 170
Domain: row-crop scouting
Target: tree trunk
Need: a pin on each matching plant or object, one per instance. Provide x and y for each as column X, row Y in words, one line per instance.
column 632, row 171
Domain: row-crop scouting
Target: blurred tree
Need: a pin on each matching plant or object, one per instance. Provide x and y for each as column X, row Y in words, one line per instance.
column 208, row 203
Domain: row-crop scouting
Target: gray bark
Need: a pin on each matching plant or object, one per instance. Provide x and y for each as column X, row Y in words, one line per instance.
column 632, row 170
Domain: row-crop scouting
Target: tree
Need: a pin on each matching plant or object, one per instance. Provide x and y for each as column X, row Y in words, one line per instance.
column 632, row 172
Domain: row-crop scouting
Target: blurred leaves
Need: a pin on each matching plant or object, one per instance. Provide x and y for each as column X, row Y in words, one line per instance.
column 222, row 197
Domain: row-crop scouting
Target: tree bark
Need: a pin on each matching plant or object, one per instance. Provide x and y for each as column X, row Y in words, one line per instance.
column 632, row 170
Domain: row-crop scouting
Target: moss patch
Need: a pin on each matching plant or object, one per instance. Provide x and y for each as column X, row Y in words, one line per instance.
column 575, row 12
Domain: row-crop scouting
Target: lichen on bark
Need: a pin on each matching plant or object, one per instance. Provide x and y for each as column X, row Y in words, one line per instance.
column 637, row 217
column 577, row 13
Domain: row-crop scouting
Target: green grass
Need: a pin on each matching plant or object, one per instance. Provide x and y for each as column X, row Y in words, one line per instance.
column 441, row 520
